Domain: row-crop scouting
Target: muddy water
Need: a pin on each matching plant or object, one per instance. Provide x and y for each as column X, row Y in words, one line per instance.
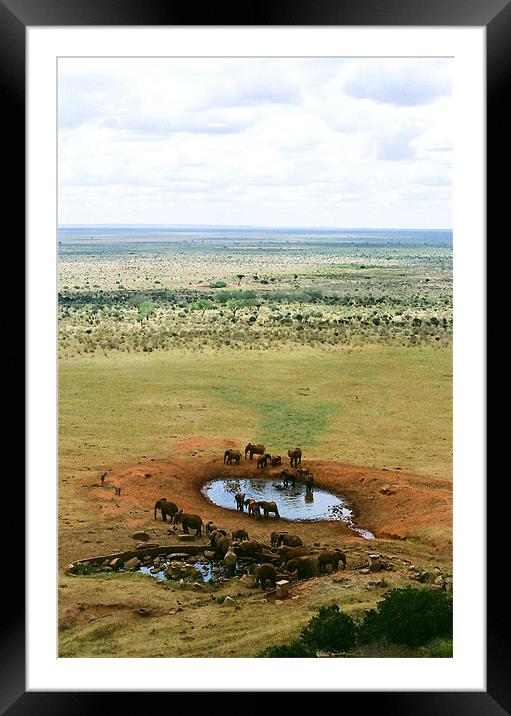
column 293, row 503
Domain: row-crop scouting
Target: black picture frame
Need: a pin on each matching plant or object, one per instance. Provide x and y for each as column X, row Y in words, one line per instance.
column 495, row 15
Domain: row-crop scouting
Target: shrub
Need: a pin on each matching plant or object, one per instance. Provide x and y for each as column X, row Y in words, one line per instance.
column 217, row 284
column 409, row 616
column 330, row 629
column 294, row 650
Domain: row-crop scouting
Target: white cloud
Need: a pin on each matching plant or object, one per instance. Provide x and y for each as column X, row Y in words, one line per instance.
column 285, row 142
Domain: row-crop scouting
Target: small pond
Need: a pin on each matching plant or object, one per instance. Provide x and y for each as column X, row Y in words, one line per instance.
column 293, row 502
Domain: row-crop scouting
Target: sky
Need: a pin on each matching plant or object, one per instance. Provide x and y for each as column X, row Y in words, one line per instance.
column 341, row 143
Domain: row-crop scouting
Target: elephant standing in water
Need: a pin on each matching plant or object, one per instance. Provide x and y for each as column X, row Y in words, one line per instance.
column 254, row 450
column 240, row 501
column 166, row 507
column 232, row 456
column 295, row 457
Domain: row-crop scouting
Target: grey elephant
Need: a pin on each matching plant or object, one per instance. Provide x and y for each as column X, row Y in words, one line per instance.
column 166, row 508
column 254, row 450
column 187, row 520
column 268, row 507
column 295, row 457
column 232, row 456
column 264, row 573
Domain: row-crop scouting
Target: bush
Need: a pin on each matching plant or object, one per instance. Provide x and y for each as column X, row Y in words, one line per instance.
column 217, row 284
column 409, row 616
column 331, row 630
column 294, row 650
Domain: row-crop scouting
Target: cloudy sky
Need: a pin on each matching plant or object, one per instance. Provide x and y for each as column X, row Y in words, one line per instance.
column 348, row 143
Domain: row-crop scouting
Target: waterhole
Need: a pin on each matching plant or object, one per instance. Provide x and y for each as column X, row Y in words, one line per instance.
column 293, row 502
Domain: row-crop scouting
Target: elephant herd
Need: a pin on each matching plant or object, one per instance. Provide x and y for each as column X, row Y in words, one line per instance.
column 233, row 457
column 254, row 507
column 285, row 551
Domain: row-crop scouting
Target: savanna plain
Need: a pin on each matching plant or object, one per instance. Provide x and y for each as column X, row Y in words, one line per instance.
column 171, row 353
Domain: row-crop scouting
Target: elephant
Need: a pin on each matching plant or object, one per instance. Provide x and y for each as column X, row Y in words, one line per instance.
column 248, row 548
column 254, row 450
column 231, row 456
column 262, row 461
column 287, row 553
column 222, row 546
column 187, row 520
column 295, row 457
column 305, row 566
column 215, row 536
column 274, row 538
column 268, row 507
column 332, row 558
column 240, row 535
column 166, row 507
column 264, row 573
column 230, row 561
column 288, row 478
column 253, row 507
column 240, row 498
column 276, row 461
column 289, row 540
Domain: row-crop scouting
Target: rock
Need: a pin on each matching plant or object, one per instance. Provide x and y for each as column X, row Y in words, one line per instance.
column 439, row 581
column 105, row 562
column 229, row 601
column 132, row 563
column 187, row 538
column 146, row 545
column 178, row 555
column 282, row 589
column 199, row 587
column 448, row 585
column 70, row 569
column 248, row 580
column 144, row 612
column 374, row 563
column 107, row 569
column 365, row 570
column 437, row 570
column 117, row 562
column 155, row 570
column 140, row 536
column 209, row 554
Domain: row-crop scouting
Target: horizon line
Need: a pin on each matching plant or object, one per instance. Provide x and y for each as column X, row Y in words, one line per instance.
column 260, row 226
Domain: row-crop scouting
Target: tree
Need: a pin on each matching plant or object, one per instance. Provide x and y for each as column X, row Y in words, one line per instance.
column 145, row 309
column 330, row 630
column 203, row 304
column 409, row 616
column 239, row 276
column 235, row 304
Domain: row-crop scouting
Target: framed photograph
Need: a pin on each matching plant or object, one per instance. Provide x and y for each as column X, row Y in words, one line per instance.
column 256, row 340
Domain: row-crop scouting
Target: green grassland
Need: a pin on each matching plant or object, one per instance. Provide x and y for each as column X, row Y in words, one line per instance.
column 378, row 405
